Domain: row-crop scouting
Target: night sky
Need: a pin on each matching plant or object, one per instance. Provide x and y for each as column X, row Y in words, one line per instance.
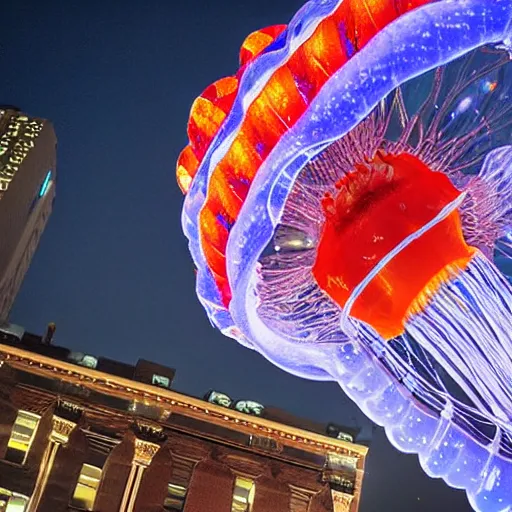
column 113, row 270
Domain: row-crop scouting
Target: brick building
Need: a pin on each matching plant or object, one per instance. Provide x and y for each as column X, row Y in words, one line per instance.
column 78, row 432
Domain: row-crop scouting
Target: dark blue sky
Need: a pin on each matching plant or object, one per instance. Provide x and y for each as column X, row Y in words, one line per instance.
column 113, row 270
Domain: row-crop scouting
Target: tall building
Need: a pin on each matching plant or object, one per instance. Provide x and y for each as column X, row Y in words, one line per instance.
column 80, row 432
column 27, row 189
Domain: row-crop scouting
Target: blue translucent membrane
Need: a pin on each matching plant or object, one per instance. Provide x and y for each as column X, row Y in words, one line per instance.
column 474, row 24
column 454, row 450
column 265, row 205
column 487, row 23
column 416, row 43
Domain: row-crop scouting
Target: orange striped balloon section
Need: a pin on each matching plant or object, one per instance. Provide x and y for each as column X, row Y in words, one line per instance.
column 207, row 114
column 211, row 108
column 318, row 59
column 256, row 42
column 186, row 168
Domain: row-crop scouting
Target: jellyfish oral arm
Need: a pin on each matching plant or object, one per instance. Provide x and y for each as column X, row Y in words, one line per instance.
column 471, row 338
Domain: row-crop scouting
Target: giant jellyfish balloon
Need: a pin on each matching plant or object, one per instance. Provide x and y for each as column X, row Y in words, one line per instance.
column 349, row 211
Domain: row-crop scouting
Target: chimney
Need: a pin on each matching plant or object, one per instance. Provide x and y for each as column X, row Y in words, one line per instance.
column 50, row 331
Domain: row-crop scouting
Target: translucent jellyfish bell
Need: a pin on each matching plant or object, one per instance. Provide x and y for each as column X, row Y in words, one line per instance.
column 349, row 210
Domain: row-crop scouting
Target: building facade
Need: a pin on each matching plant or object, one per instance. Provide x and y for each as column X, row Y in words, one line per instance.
column 27, row 190
column 79, row 432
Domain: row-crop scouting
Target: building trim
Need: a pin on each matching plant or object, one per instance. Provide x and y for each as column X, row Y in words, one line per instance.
column 185, row 405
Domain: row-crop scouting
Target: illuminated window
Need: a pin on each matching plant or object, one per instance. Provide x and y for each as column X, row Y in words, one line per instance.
column 22, row 435
column 45, row 184
column 243, row 495
column 175, row 499
column 160, row 380
column 86, row 487
column 12, row 501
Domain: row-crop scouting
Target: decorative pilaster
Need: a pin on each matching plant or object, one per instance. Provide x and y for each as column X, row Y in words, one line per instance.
column 59, row 436
column 341, row 501
column 145, row 450
column 61, row 430
column 153, row 488
column 340, row 472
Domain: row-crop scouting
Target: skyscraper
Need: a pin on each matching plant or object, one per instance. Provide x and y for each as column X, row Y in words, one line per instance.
column 27, row 189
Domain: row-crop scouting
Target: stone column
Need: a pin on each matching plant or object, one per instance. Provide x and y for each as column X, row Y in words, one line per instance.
column 59, row 436
column 144, row 453
column 65, row 473
column 211, row 488
column 344, row 475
